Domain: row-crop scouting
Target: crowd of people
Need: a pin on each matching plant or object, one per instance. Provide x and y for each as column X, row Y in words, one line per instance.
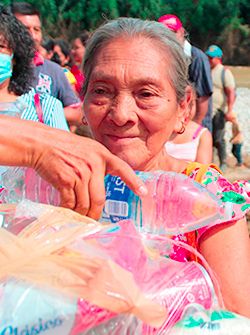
column 213, row 88
column 151, row 103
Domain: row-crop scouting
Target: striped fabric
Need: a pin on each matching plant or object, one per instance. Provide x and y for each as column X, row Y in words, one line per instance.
column 53, row 113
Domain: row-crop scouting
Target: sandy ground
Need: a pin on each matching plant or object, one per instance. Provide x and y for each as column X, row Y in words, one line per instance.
column 233, row 172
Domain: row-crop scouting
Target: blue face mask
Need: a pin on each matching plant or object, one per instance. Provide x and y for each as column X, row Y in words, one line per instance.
column 5, row 67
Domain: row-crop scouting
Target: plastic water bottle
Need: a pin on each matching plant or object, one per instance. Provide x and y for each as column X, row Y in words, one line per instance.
column 174, row 204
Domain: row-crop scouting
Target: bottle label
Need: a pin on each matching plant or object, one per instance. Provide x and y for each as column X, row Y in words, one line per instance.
column 118, row 197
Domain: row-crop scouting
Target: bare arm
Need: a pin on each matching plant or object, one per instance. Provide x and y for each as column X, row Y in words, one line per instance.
column 201, row 108
column 230, row 96
column 205, row 149
column 228, row 253
column 74, row 165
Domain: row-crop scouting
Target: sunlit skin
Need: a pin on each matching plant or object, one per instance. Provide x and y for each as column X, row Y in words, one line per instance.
column 77, row 51
column 131, row 106
column 33, row 24
column 214, row 61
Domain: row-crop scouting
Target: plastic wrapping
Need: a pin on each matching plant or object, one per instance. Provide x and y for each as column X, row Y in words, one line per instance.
column 96, row 266
column 63, row 273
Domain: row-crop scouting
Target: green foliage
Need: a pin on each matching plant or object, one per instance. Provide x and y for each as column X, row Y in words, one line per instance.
column 207, row 21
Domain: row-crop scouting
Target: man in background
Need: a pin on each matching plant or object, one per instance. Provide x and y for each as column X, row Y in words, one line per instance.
column 223, row 100
column 49, row 77
column 199, row 71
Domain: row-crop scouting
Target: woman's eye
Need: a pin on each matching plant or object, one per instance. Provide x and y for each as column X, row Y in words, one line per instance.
column 146, row 94
column 100, row 91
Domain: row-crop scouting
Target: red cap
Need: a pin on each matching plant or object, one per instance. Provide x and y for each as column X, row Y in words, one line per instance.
column 171, row 21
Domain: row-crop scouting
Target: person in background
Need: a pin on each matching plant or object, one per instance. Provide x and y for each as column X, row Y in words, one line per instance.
column 193, row 142
column 77, row 52
column 47, row 48
column 237, row 141
column 223, row 100
column 16, row 63
column 199, row 71
column 62, row 52
column 49, row 77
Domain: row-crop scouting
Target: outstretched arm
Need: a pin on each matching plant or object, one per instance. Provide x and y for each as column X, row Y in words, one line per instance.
column 74, row 165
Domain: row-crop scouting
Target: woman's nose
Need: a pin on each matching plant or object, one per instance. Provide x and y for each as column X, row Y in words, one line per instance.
column 123, row 110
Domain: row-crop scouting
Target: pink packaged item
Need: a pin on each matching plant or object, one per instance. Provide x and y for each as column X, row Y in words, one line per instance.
column 91, row 278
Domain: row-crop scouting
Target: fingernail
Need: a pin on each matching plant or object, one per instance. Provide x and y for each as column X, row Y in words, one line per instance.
column 142, row 190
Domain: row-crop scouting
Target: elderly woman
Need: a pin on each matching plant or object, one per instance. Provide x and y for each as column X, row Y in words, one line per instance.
column 16, row 74
column 136, row 95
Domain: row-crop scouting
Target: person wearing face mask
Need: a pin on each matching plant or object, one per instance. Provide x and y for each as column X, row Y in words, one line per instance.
column 199, row 71
column 16, row 74
column 48, row 76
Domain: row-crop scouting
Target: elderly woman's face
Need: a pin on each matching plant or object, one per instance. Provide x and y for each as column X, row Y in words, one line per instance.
column 130, row 104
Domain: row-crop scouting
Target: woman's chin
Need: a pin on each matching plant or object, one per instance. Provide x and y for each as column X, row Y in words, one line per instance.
column 133, row 160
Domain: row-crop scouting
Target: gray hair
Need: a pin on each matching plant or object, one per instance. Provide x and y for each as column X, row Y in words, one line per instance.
column 131, row 27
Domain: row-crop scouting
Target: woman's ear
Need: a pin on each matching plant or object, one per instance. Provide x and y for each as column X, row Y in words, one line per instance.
column 184, row 109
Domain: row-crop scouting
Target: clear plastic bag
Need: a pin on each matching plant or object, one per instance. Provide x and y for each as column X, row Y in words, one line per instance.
column 66, row 274
column 94, row 269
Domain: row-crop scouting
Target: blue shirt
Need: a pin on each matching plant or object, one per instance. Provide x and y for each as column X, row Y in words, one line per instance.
column 200, row 76
column 50, row 78
column 53, row 113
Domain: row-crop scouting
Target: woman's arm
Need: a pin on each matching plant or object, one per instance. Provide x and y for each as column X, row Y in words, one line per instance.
column 205, row 149
column 228, row 253
column 74, row 165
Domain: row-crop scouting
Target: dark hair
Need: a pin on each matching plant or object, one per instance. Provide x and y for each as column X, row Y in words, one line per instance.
column 23, row 8
column 65, row 48
column 19, row 40
column 84, row 36
column 48, row 44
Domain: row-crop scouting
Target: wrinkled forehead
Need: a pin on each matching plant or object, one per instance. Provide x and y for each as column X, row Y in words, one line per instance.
column 138, row 49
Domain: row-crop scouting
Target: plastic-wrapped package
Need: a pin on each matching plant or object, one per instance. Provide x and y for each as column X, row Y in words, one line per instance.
column 198, row 321
column 94, row 268
column 62, row 273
